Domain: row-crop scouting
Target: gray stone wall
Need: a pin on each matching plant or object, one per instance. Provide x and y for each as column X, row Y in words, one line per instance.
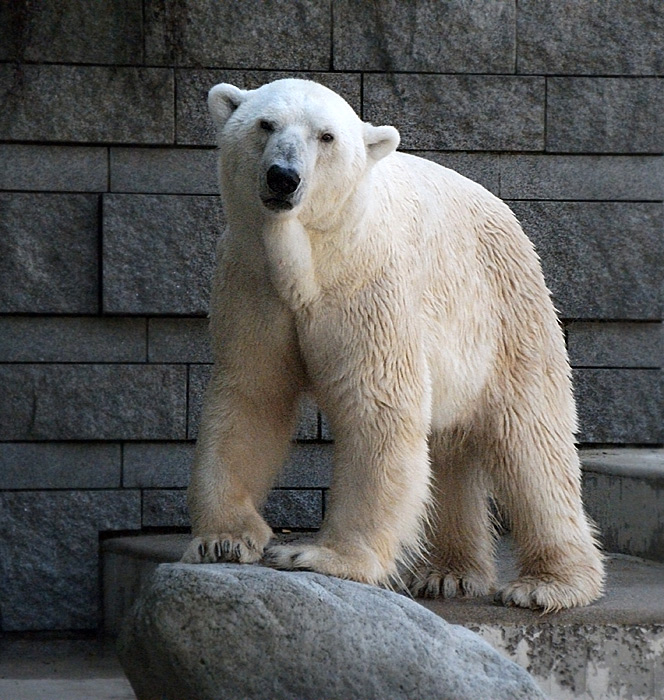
column 108, row 218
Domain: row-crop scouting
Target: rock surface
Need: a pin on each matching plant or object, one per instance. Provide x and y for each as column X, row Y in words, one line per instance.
column 232, row 631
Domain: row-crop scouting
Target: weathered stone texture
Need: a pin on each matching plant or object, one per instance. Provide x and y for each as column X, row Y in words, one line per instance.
column 430, row 36
column 619, row 405
column 199, row 376
column 605, row 115
column 49, row 546
column 601, row 260
column 194, row 125
column 308, row 466
column 307, row 420
column 86, row 104
column 29, row 465
column 198, row 631
column 72, row 339
column 159, row 253
column 290, row 508
column 282, row 34
column 300, row 509
column 48, row 253
column 469, row 112
column 612, row 502
column 72, row 31
column 616, row 344
column 611, row 37
column 179, row 340
column 92, row 402
column 53, row 168
column 160, row 465
column 164, row 170
column 630, row 178
column 167, row 465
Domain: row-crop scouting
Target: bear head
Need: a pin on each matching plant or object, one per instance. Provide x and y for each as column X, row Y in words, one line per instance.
column 293, row 148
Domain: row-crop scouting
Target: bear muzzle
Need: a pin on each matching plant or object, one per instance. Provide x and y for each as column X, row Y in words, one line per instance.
column 282, row 183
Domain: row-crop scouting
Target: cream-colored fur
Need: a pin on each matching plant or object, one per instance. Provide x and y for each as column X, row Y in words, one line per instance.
column 407, row 299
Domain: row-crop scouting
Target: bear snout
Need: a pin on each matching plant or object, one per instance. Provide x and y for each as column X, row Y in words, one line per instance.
column 282, row 180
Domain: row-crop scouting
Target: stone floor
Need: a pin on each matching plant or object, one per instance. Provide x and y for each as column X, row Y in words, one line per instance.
column 61, row 669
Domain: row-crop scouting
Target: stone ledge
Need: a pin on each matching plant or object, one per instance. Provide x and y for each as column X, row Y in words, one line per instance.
column 635, row 591
column 611, row 649
column 635, row 463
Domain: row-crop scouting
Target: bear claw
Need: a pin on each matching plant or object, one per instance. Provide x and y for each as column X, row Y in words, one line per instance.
column 222, row 548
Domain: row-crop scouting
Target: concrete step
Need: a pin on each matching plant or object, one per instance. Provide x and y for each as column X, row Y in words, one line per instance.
column 40, row 668
column 612, row 649
column 624, row 494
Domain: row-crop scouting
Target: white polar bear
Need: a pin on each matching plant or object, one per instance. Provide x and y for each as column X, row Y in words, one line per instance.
column 408, row 301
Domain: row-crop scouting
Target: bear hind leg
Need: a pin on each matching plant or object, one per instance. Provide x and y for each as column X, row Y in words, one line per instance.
column 537, row 481
column 460, row 531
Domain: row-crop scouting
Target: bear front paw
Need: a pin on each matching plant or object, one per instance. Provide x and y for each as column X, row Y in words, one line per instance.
column 435, row 583
column 363, row 567
column 209, row 549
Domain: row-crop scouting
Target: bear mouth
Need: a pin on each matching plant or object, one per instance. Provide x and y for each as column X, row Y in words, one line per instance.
column 277, row 204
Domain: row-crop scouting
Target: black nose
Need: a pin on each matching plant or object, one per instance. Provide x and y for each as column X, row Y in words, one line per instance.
column 282, row 180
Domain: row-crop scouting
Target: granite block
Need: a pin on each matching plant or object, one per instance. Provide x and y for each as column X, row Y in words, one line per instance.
column 72, row 31
column 75, row 339
column 48, row 253
column 430, row 36
column 49, row 555
column 601, row 260
column 325, row 428
column 53, row 168
column 193, row 123
column 160, row 465
column 92, row 402
column 307, row 420
column 179, row 340
column 294, row 509
column 293, row 35
column 605, row 115
column 634, row 345
column 479, row 167
column 297, row 509
column 576, row 177
column 454, row 112
column 165, row 508
column 199, row 376
column 30, row 465
column 164, row 170
column 619, row 405
column 586, row 37
column 86, row 104
column 159, row 253
column 309, row 466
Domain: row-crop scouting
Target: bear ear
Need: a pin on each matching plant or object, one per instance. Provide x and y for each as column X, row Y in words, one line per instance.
column 380, row 140
column 223, row 100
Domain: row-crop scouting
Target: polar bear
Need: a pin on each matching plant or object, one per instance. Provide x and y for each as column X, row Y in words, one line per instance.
column 408, row 301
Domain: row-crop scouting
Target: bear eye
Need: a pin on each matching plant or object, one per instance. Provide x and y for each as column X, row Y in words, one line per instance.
column 266, row 125
column 327, row 137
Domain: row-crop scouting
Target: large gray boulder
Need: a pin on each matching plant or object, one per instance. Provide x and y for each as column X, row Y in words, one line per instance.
column 233, row 631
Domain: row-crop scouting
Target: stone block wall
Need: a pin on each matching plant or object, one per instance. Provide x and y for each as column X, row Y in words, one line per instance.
column 109, row 215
